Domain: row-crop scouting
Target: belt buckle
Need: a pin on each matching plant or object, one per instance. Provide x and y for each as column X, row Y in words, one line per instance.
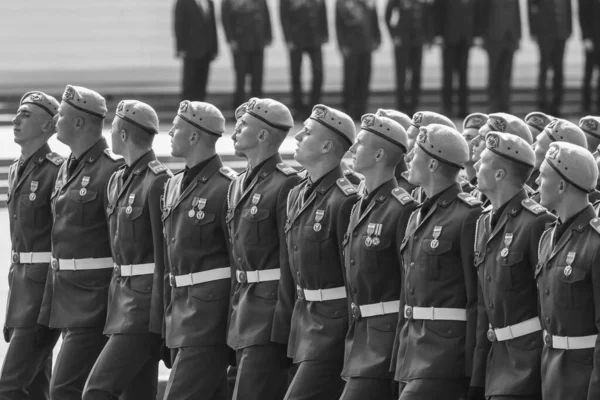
column 242, row 277
column 15, row 257
column 548, row 339
column 54, row 264
column 300, row 293
column 172, row 280
column 355, row 311
column 117, row 270
column 491, row 335
column 408, row 312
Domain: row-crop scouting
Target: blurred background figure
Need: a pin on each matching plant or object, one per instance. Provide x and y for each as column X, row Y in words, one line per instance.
column 247, row 26
column 455, row 30
column 304, row 24
column 358, row 36
column 589, row 15
column 410, row 25
column 550, row 26
column 196, row 44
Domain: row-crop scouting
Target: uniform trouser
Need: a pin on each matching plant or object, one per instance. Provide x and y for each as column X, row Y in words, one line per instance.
column 27, row 365
column 317, row 380
column 195, row 78
column 552, row 53
column 368, row 389
column 357, row 77
column 199, row 373
column 247, row 63
column 316, row 63
column 408, row 60
column 127, row 369
column 262, row 373
column 78, row 353
column 455, row 59
column 500, row 61
column 433, row 389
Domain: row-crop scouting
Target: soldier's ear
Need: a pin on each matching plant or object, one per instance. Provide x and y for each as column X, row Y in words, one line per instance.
column 263, row 135
column 49, row 127
column 327, row 146
column 433, row 165
column 123, row 134
column 500, row 174
column 193, row 137
column 79, row 122
column 561, row 186
column 379, row 155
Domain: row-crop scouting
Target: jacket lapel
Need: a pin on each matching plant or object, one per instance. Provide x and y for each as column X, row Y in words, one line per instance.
column 202, row 177
column 36, row 159
column 264, row 171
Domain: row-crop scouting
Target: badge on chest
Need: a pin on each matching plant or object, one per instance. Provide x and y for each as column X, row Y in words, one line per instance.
column 373, row 234
column 85, row 181
column 319, row 214
column 33, row 187
column 570, row 258
column 197, row 210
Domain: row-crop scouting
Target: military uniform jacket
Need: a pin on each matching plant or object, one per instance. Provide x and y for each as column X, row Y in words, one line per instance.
column 78, row 299
column 196, row 241
column 195, row 29
column 568, row 277
column 373, row 275
column 505, row 258
column 30, row 225
column 413, row 24
column 258, row 243
column 314, row 231
column 357, row 25
column 439, row 276
column 134, row 221
column 304, row 23
column 247, row 22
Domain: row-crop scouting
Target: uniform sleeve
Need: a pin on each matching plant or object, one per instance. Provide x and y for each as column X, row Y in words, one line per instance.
column 594, row 388
column 482, row 344
column 227, row 20
column 535, row 235
column 162, row 271
column 343, row 220
column 179, row 25
column 286, row 298
column 155, row 208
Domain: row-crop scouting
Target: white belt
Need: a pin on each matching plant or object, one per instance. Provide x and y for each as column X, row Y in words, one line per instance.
column 570, row 342
column 433, row 314
column 386, row 307
column 82, row 264
column 258, row 276
column 514, row 331
column 31, row 258
column 134, row 269
column 200, row 277
column 321, row 294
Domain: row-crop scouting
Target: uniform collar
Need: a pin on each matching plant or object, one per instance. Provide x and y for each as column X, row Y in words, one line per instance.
column 324, row 183
column 265, row 168
column 139, row 165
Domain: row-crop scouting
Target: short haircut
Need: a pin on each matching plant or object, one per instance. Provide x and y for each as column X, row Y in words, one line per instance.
column 517, row 173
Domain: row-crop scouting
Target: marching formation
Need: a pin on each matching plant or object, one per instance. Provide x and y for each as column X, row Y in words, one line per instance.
column 445, row 264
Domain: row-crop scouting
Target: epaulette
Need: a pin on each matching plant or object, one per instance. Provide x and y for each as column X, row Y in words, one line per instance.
column 346, row 186
column 112, row 155
column 402, row 196
column 286, row 169
column 532, row 206
column 471, row 201
column 157, row 167
column 595, row 223
column 55, row 158
column 228, row 172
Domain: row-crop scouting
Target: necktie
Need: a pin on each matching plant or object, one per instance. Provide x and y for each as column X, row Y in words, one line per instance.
column 73, row 163
column 21, row 168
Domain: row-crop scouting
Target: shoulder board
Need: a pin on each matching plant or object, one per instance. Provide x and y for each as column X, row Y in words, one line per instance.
column 111, row 155
column 595, row 223
column 286, row 169
column 157, row 167
column 228, row 173
column 55, row 158
column 533, row 207
column 402, row 196
column 346, row 187
column 469, row 200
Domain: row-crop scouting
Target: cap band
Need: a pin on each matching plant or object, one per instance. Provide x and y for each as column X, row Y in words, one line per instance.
column 326, row 125
column 198, row 126
column 511, row 158
column 534, row 126
column 41, row 106
column 594, row 134
column 439, row 158
column 83, row 109
column 403, row 147
column 550, row 135
column 567, row 179
column 276, row 126
column 145, row 128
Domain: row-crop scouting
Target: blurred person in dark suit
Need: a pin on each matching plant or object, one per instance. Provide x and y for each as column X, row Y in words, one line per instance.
column 454, row 28
column 589, row 14
column 410, row 25
column 196, row 44
column 499, row 24
column 550, row 25
column 304, row 24
column 247, row 26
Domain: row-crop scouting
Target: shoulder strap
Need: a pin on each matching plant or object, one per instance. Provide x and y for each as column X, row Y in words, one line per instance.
column 533, row 207
column 286, row 169
column 345, row 186
column 402, row 196
column 469, row 200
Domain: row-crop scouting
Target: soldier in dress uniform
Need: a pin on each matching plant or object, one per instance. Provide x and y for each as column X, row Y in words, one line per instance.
column 568, row 278
column 509, row 344
column 372, row 262
column 435, row 338
column 76, row 295
column 318, row 210
column 197, row 272
column 28, row 362
column 128, row 365
column 247, row 26
column 471, row 126
column 358, row 35
column 305, row 30
column 259, row 323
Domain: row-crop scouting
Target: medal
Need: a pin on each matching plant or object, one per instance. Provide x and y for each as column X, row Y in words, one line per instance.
column 129, row 209
column 255, row 200
column 195, row 201
column 201, row 203
column 318, row 218
column 508, row 237
column 191, row 213
column 33, row 187
column 437, row 231
column 370, row 231
column 570, row 258
column 376, row 240
column 84, row 182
